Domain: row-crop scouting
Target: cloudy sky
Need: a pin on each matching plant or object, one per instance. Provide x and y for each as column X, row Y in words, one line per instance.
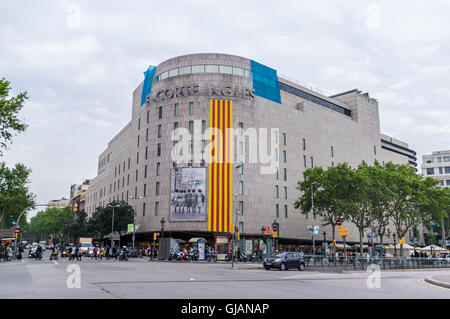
column 79, row 61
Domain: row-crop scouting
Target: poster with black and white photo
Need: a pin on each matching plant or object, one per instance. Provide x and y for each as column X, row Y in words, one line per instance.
column 188, row 194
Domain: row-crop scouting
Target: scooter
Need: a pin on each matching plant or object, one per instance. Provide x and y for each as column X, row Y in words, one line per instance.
column 123, row 255
column 54, row 255
column 212, row 256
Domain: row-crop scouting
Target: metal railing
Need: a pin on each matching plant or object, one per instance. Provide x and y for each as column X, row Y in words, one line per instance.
column 361, row 263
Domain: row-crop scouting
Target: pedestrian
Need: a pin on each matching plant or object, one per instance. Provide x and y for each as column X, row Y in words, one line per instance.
column 39, row 252
column 9, row 253
column 79, row 253
column 95, row 252
column 2, row 252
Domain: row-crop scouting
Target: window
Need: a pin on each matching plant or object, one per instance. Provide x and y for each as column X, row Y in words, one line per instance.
column 156, row 208
column 145, row 171
column 277, row 195
column 225, row 69
column 191, row 108
column 285, row 174
column 284, row 156
column 447, row 182
column 135, row 193
column 442, row 182
column 115, row 171
column 146, row 135
column 173, row 72
column 157, row 189
column 128, row 163
column 191, row 127
column 430, row 171
column 241, row 129
column 304, row 144
column 139, row 124
column 241, row 227
column 238, row 71
column 160, row 112
column 312, row 162
column 241, row 168
column 158, row 152
column 276, row 174
column 146, row 152
column 211, row 68
column 128, row 180
column 304, row 160
column 176, row 110
column 203, row 126
column 159, row 130
column 241, row 208
column 440, row 170
column 284, row 138
column 137, row 158
column 198, row 69
column 138, row 141
column 158, row 167
column 148, row 116
column 439, row 159
column 446, row 158
column 241, row 187
column 374, row 150
column 332, row 151
column 285, row 211
column 184, row 70
column 137, row 175
column 277, row 210
column 285, row 192
column 447, row 170
column 145, row 190
column 143, row 209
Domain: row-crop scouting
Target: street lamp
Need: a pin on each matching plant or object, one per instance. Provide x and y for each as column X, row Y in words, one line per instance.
column 395, row 247
column 163, row 221
column 324, row 236
column 312, row 211
column 275, row 225
column 112, row 225
column 134, row 218
column 234, row 222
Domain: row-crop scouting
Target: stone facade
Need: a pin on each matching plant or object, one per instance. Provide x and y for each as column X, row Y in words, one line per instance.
column 330, row 137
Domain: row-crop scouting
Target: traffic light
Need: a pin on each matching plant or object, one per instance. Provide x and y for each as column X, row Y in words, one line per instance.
column 334, row 242
column 75, row 207
column 402, row 241
column 238, row 236
column 341, row 230
column 154, row 236
column 345, row 231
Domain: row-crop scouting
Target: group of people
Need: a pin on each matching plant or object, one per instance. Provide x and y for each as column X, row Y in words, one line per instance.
column 7, row 252
column 188, row 201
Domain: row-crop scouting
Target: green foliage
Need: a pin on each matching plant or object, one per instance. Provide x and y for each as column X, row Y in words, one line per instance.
column 374, row 197
column 49, row 223
column 101, row 221
column 9, row 108
column 14, row 193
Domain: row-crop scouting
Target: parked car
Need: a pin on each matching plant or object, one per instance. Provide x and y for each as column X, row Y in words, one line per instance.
column 285, row 261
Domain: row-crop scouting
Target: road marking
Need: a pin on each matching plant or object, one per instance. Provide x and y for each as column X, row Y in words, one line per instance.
column 424, row 283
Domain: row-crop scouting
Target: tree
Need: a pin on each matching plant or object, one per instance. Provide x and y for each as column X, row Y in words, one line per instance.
column 101, row 221
column 330, row 194
column 49, row 224
column 14, row 193
column 9, row 108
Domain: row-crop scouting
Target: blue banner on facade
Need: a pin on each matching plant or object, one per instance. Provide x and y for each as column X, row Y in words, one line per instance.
column 146, row 89
column 265, row 82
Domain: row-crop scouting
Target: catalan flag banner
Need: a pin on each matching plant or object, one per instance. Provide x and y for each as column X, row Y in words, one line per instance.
column 220, row 193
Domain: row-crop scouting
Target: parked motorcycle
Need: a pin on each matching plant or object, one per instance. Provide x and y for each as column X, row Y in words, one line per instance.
column 54, row 254
column 193, row 255
column 211, row 256
column 256, row 257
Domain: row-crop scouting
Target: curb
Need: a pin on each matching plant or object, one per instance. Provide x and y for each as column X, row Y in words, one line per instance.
column 435, row 282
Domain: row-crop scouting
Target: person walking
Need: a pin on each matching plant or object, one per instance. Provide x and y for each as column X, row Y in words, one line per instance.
column 39, row 252
column 9, row 253
column 79, row 253
column 2, row 252
column 95, row 252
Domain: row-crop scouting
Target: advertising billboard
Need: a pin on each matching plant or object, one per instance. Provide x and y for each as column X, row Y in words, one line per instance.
column 188, row 194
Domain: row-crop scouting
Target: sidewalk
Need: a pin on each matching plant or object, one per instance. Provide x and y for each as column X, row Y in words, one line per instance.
column 439, row 280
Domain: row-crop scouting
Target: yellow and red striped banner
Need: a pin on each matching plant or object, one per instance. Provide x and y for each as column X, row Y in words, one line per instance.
column 220, row 193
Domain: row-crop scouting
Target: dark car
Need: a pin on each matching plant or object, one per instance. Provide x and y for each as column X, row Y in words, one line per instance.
column 284, row 261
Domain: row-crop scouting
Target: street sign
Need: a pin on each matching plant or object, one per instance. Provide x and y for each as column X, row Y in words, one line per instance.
column 267, row 230
column 16, row 230
column 372, row 235
column 314, row 229
column 414, row 240
column 339, row 222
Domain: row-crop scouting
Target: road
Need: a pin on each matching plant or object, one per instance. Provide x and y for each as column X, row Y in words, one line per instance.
column 140, row 278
